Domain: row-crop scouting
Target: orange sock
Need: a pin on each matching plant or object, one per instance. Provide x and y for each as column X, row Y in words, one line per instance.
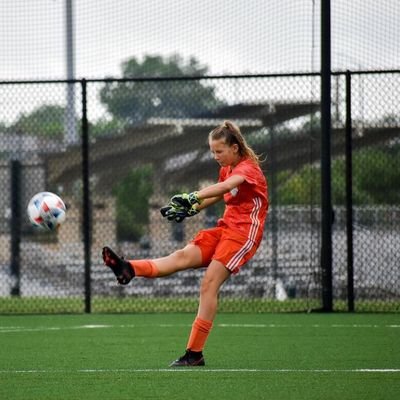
column 144, row 268
column 198, row 336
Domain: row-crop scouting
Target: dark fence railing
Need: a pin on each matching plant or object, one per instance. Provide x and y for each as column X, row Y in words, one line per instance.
column 134, row 142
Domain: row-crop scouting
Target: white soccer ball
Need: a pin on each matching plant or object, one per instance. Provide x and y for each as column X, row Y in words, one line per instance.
column 46, row 211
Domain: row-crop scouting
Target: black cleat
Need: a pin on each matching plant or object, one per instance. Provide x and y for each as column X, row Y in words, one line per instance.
column 121, row 268
column 190, row 359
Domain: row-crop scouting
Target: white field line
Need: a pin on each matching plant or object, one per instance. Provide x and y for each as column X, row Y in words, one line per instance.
column 204, row 370
column 16, row 329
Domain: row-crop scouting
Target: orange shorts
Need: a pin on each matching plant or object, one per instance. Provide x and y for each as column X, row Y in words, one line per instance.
column 226, row 246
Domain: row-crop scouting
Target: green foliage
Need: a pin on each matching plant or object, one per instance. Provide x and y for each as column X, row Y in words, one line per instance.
column 132, row 203
column 377, row 173
column 3, row 127
column 302, row 187
column 104, row 127
column 47, row 121
column 137, row 101
column 376, row 177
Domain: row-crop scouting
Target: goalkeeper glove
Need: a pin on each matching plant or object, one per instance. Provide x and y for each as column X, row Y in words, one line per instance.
column 185, row 200
column 182, row 213
column 178, row 214
column 170, row 211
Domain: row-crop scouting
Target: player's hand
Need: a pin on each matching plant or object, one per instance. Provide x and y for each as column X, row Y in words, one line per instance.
column 182, row 213
column 169, row 211
column 178, row 214
column 185, row 200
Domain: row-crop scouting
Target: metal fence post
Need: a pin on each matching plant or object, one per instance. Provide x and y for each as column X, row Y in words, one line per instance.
column 273, row 210
column 349, row 197
column 326, row 201
column 15, row 226
column 86, row 216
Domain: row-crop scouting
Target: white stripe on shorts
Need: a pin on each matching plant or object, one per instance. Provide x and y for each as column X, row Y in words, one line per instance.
column 255, row 225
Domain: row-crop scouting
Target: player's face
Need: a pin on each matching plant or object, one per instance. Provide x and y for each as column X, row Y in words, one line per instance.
column 224, row 154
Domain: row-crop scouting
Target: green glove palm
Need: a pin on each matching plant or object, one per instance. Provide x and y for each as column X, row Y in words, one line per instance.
column 185, row 200
column 181, row 207
column 169, row 211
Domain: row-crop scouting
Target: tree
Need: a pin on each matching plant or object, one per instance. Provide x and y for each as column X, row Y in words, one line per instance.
column 47, row 121
column 132, row 203
column 136, row 101
column 301, row 187
column 3, row 127
column 376, row 173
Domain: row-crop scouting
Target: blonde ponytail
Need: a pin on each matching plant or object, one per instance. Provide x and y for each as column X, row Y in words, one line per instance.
column 230, row 132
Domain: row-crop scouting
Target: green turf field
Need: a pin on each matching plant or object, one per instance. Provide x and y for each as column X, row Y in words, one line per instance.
column 248, row 356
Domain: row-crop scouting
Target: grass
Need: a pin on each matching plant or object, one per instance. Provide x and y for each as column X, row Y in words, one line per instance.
column 248, row 356
column 45, row 305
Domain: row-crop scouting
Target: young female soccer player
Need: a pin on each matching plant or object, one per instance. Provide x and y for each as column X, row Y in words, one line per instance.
column 223, row 250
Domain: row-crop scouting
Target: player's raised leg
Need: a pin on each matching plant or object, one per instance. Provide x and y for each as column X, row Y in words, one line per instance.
column 188, row 257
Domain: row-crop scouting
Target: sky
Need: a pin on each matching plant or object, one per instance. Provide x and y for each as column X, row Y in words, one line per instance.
column 228, row 36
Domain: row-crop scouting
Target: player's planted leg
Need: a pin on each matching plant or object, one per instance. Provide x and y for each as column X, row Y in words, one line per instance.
column 213, row 279
column 122, row 269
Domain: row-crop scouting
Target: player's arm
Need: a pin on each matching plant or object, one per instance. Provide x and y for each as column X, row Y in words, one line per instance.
column 219, row 189
column 208, row 202
column 189, row 204
column 209, row 195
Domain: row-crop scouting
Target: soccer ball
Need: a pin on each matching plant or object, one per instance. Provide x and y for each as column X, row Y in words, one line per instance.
column 46, row 211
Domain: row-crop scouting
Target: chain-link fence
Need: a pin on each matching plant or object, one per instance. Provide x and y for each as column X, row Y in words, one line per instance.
column 369, row 102
column 147, row 139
